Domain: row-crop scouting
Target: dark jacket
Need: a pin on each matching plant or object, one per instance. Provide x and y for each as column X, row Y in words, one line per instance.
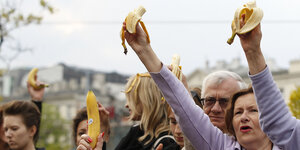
column 130, row 141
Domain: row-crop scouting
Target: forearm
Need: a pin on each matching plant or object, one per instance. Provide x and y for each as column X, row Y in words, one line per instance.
column 256, row 61
column 149, row 59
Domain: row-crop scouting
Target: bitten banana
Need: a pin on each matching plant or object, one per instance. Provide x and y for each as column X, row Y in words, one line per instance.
column 93, row 117
column 131, row 21
column 176, row 69
column 32, row 81
column 253, row 17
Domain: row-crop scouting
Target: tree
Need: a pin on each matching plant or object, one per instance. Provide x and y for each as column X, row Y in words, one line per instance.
column 294, row 103
column 12, row 17
column 54, row 130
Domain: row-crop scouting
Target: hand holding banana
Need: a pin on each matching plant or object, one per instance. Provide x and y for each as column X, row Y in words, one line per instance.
column 252, row 18
column 93, row 118
column 31, row 79
column 131, row 22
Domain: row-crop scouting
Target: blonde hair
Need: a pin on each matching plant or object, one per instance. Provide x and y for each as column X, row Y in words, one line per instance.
column 142, row 90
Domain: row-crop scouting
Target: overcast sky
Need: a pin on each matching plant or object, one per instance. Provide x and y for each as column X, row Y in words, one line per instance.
column 85, row 33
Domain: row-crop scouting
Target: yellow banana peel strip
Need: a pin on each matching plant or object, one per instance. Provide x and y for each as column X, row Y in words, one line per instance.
column 132, row 20
column 93, row 117
column 253, row 16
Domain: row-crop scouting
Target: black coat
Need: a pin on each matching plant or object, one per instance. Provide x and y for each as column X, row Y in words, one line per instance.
column 130, row 141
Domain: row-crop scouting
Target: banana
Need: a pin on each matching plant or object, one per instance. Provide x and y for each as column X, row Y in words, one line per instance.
column 131, row 21
column 176, row 69
column 93, row 117
column 32, row 81
column 253, row 16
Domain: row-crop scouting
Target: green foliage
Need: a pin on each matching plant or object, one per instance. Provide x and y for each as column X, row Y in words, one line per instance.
column 54, row 130
column 12, row 17
column 294, row 103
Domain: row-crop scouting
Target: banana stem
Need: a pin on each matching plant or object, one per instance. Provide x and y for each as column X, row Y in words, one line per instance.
column 230, row 40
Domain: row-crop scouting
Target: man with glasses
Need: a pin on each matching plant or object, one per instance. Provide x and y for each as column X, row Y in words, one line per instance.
column 217, row 87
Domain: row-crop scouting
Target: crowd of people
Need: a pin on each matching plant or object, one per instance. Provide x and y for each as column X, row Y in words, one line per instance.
column 225, row 113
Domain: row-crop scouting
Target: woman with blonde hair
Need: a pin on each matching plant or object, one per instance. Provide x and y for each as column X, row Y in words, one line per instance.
column 146, row 105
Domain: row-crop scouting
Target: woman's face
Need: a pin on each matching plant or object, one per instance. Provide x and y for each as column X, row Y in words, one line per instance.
column 16, row 133
column 175, row 129
column 81, row 129
column 245, row 120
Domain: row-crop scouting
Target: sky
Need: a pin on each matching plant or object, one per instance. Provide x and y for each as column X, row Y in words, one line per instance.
column 86, row 33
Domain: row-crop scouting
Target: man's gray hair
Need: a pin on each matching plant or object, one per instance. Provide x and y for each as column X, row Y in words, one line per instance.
column 219, row 76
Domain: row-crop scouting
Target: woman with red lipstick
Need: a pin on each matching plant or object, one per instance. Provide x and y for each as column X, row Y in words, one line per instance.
column 242, row 121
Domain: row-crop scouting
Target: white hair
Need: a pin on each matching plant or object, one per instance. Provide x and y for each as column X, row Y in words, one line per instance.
column 219, row 76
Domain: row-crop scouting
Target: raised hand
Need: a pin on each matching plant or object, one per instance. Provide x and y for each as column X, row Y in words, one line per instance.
column 36, row 94
column 251, row 45
column 104, row 121
column 250, row 41
column 137, row 41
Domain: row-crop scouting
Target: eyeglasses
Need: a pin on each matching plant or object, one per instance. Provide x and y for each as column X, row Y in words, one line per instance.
column 210, row 101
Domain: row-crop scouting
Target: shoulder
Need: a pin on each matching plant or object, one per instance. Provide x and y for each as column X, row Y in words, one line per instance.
column 168, row 142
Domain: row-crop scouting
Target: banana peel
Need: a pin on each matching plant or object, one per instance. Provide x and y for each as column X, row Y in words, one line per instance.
column 253, row 16
column 176, row 69
column 132, row 19
column 93, row 118
column 32, row 80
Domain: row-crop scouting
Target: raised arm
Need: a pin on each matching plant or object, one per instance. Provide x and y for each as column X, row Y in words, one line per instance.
column 275, row 118
column 193, row 122
column 251, row 46
column 143, row 49
column 36, row 95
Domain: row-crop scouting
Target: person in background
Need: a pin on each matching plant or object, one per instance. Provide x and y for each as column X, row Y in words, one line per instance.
column 36, row 97
column 21, row 125
column 80, row 125
column 196, row 94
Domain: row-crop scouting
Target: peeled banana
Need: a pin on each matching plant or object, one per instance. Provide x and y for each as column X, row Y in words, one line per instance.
column 253, row 17
column 131, row 21
column 32, row 80
column 176, row 69
column 93, row 118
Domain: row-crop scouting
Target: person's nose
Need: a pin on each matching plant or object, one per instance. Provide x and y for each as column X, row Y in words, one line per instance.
column 216, row 108
column 244, row 117
column 8, row 134
column 177, row 129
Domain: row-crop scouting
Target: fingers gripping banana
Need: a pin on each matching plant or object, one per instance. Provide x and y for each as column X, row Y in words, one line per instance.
column 253, row 17
column 131, row 21
column 93, row 117
column 32, row 80
column 176, row 69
